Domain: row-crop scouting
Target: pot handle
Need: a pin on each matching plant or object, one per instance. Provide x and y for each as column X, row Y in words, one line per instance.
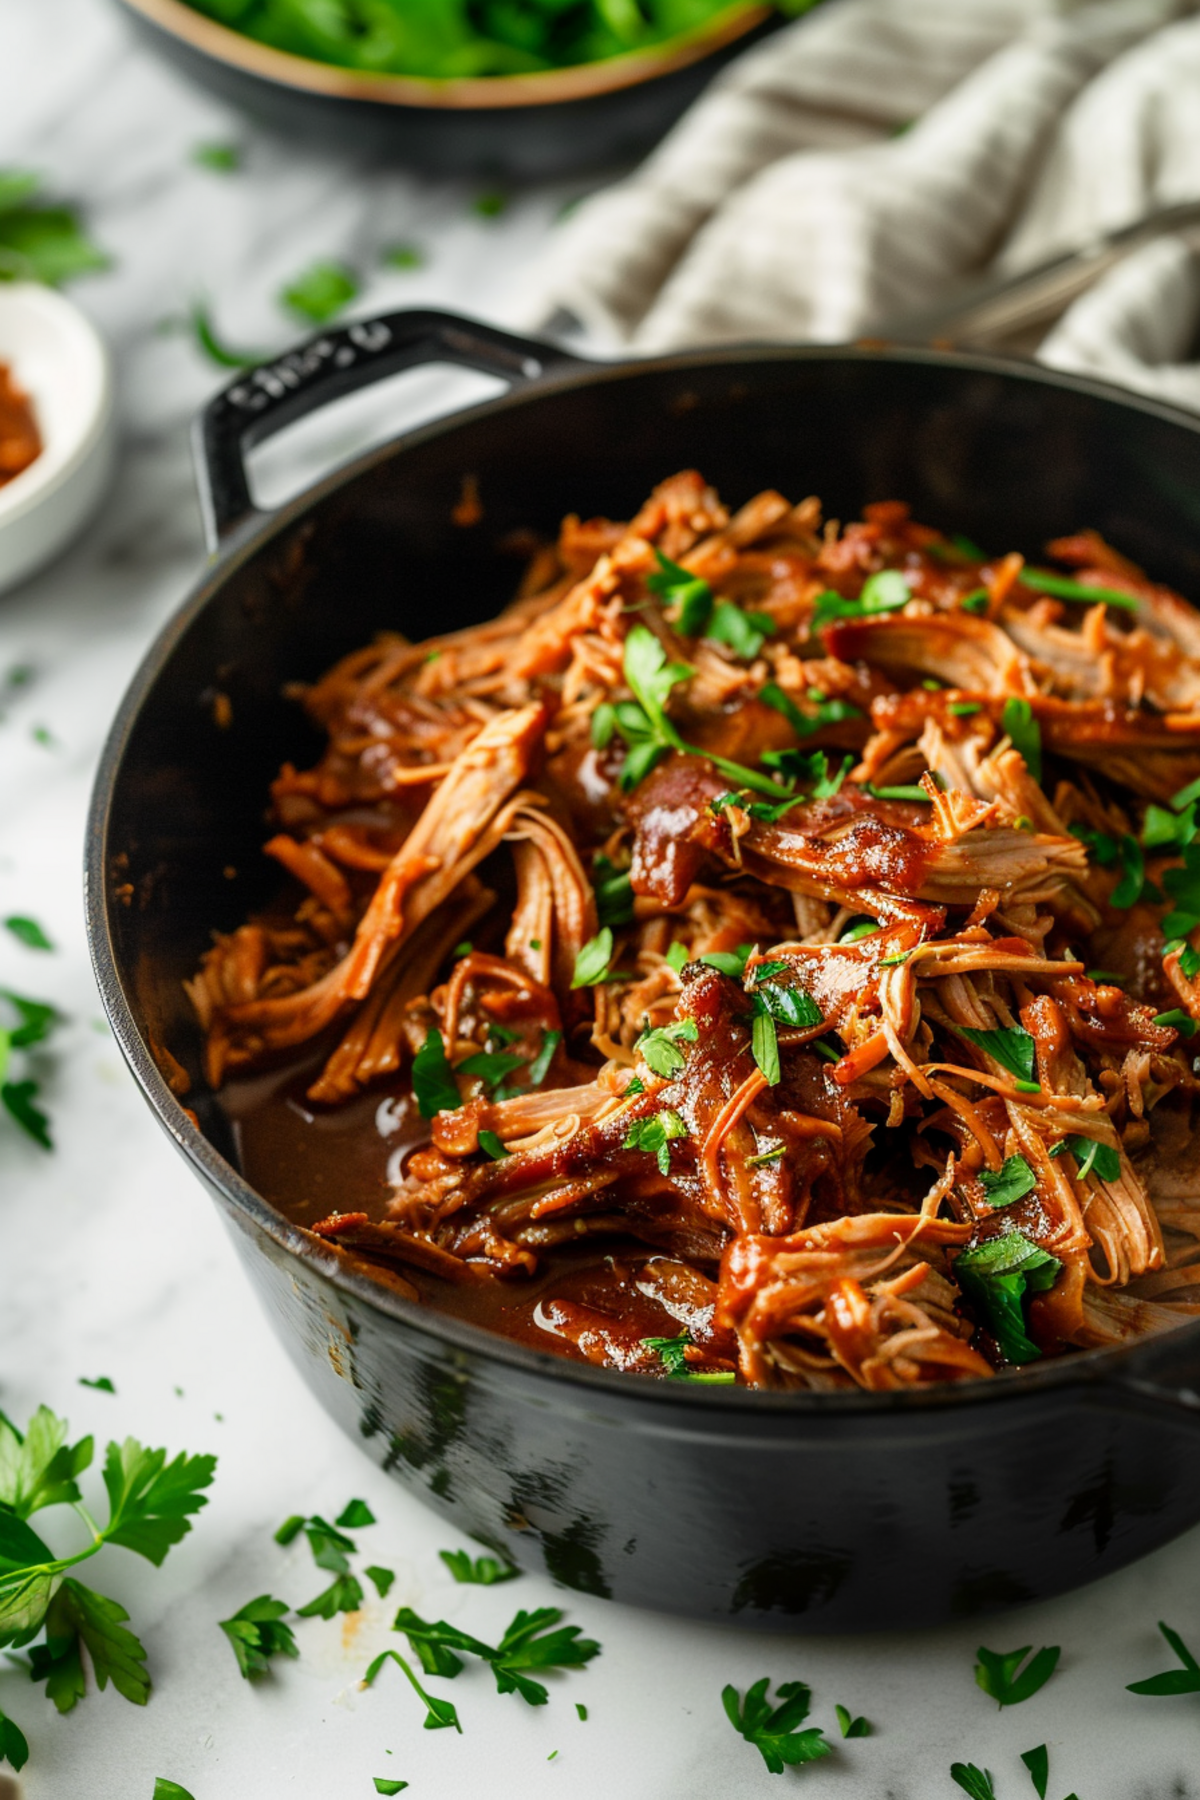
column 265, row 399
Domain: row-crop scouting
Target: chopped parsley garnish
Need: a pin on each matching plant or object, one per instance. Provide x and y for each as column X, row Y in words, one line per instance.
column 790, row 1005
column 647, row 730
column 1189, row 961
column 381, row 1579
column 677, row 586
column 490, row 205
column 1045, row 581
column 592, row 962
column 533, row 1640
column 676, row 957
column 886, row 591
column 975, row 1782
column 812, row 767
column 35, row 1020
column 493, row 1146
column 744, row 632
column 330, row 1548
column 465, row 948
column 433, row 1079
column 1037, row 1761
column 824, row 1048
column 169, row 1790
column 483, row 1571
column 672, row 1353
column 764, row 1046
column 581, row 1709
column 28, row 932
column 659, row 1049
column 864, row 928
column 851, row 1727
column 775, row 1730
column 655, row 1135
column 829, row 712
column 439, row 1714
column 1162, row 830
column 355, row 1514
column 200, row 323
column 14, row 1746
column 257, row 1633
column 222, row 159
column 102, row 1383
column 1177, row 1020
column 996, row 1276
column 1012, row 1182
column 999, row 1673
column 1184, row 1680
column 321, row 292
column 539, row 1068
column 614, row 893
column 402, row 256
column 1012, row 1047
column 907, row 791
column 729, row 962
column 1091, row 1154
column 1020, row 725
column 964, row 709
column 766, row 1156
column 977, row 601
column 1133, row 873
column 40, row 242
column 385, row 1785
column 1183, row 886
column 492, row 1067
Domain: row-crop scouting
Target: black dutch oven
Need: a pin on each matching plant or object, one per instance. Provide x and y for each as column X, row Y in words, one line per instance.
column 813, row 1510
column 551, row 123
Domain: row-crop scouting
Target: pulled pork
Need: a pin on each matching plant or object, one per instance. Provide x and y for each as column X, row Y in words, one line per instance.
column 808, row 914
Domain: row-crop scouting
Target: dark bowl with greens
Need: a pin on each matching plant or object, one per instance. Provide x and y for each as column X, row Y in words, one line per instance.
column 519, row 88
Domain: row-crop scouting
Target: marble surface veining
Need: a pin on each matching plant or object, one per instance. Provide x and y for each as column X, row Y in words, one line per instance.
column 113, row 1262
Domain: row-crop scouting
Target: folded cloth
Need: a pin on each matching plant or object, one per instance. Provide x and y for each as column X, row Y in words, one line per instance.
column 878, row 154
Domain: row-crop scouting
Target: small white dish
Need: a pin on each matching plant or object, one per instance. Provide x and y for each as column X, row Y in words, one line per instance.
column 59, row 359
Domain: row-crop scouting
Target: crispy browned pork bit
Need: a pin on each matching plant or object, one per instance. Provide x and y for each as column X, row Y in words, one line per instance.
column 804, row 917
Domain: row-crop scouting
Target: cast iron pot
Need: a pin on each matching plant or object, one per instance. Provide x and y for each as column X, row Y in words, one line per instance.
column 554, row 122
column 824, row 1511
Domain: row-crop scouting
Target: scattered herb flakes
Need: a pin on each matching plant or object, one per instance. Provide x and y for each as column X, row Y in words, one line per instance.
column 42, row 734
column 677, row 957
column 828, row 712
column 1011, row 1182
column 996, row 1672
column 385, row 1785
column 1018, row 722
column 965, row 709
column 28, row 932
column 492, row 1067
column 672, row 1353
column 581, row 1709
column 689, row 594
column 170, row 1790
column 1184, row 1680
column 14, row 1746
column 221, row 159
column 380, row 1579
column 200, row 323
column 433, row 1079
column 343, row 1595
column 655, row 1135
column 1177, row 1020
column 775, row 1730
column 257, row 1633
column 402, row 256
column 1045, row 581
column 482, row 1571
column 439, row 1714
column 490, row 205
column 659, row 1049
column 325, row 289
column 996, row 1276
column 102, row 1384
column 1012, row 1047
column 592, row 962
column 975, row 1782
column 1037, row 1761
column 532, row 1640
column 729, row 962
column 40, row 242
column 614, row 893
column 354, row 1515
column 1133, row 873
column 492, row 1145
column 977, row 601
column 330, row 1549
column 767, row 1156
column 885, row 591
column 1091, row 1154
column 851, row 1727
column 35, row 1020
column 744, row 632
column 764, row 1046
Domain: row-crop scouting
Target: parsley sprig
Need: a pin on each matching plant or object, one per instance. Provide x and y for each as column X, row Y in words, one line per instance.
column 1000, row 1674
column 997, row 1276
column 482, row 1571
column 257, row 1632
column 532, row 1640
column 331, row 1549
column 655, row 1135
column 775, row 1730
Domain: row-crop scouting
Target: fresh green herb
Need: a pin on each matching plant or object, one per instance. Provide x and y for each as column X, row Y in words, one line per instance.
column 493, row 1146
column 222, row 159
column 828, row 712
column 35, row 1021
column 1105, row 975
column 906, row 791
column 1013, row 1048
column 354, row 1515
column 321, row 292
column 1012, row 1182
column 433, row 1079
column 1182, row 799
column 1133, row 867
column 604, row 723
column 385, row 1785
column 581, row 1709
column 1163, row 830
column 977, row 602
column 465, row 948
column 999, row 1673
column 1018, row 721
column 824, row 1048
column 636, row 1086
column 894, row 962
column 490, row 205
column 850, row 1727
column 975, row 1782
column 1037, row 1761
column 1091, row 1154
column 200, row 325
column 614, row 893
column 775, row 1730
column 402, row 256
column 40, row 242
column 1184, row 1680
column 1183, row 885
column 1189, row 961
column 439, row 1714
column 764, row 1046
column 659, row 1049
column 592, row 962
column 766, row 1156
column 257, row 1633
column 41, row 734
column 381, row 1579
column 647, row 730
column 28, row 932
column 744, row 632
column 883, row 592
column 170, row 1790
column 672, row 1353
column 964, row 709
column 1045, row 581
column 678, row 587
column 996, row 1276
column 484, row 1571
column 729, row 962
column 102, row 1384
column 492, row 1067
column 14, row 1746
column 535, row 943
column 790, row 1005
column 343, row 1595
column 865, row 928
column 330, row 1549
column 539, row 1068
column 812, row 767
column 533, row 1640
column 1177, row 1020
column 655, row 1135
column 677, row 957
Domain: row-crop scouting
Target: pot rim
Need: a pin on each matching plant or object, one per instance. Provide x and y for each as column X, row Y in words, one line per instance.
column 547, row 87
column 1087, row 1371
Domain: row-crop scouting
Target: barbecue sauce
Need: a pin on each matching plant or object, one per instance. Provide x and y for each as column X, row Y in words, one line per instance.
column 20, row 439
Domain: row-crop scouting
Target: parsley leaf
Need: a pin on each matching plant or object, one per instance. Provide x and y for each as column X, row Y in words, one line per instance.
column 1045, row 581
column 1177, row 1020
column 491, row 1066
column 790, row 1005
column 774, row 1730
column 811, row 766
column 39, row 242
column 886, row 591
column 439, row 1714
column 36, row 1020
column 677, row 957
column 850, row 1727
column 343, row 1595
column 222, row 159
column 484, row 1571
column 975, row 1782
column 1163, row 830
column 1011, row 1182
column 829, row 712
column 744, row 632
column 655, row 1135
column 678, row 587
column 385, row 1785
column 321, row 292
column 1184, row 1680
column 39, row 1469
column 14, row 1747
column 651, row 677
column 1012, row 1047
column 200, row 322
column 152, row 1499
column 355, row 1514
column 729, row 962
column 433, row 1079
column 380, row 1579
column 764, row 1046
column 977, row 601
column 257, row 1633
column 539, row 1068
column 494, row 1146
column 996, row 1673
column 536, row 1640
column 996, row 1276
column 592, row 962
column 672, row 1353
column 1019, row 723
column 28, row 932
column 102, row 1384
column 1133, row 873
column 659, row 1049
column 1091, row 1154
column 169, row 1790
column 614, row 893
column 1037, row 1761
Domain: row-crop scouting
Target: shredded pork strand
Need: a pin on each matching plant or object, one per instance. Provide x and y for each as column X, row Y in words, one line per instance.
column 808, row 1055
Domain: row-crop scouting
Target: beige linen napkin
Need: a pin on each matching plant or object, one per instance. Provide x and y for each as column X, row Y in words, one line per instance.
column 878, row 154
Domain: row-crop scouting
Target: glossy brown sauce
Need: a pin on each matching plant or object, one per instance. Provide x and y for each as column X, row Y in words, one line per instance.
column 20, row 439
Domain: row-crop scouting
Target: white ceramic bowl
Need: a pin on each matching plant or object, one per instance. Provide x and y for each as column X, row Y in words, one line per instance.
column 61, row 362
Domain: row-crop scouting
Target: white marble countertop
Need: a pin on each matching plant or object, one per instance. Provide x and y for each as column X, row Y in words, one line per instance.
column 113, row 1262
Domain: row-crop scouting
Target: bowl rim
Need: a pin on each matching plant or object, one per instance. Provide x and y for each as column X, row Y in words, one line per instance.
column 61, row 459
column 1092, row 1374
column 456, row 93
